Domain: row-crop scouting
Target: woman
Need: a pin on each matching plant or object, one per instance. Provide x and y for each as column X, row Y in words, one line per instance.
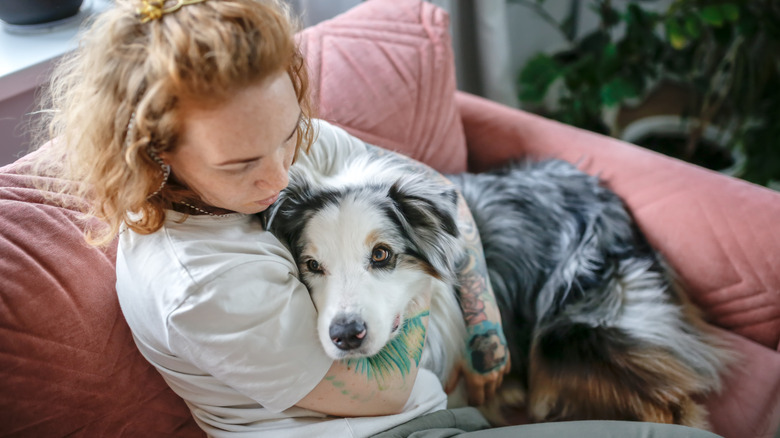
column 202, row 110
column 180, row 120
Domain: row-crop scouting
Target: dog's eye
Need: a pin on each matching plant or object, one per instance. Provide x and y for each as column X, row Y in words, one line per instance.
column 313, row 266
column 380, row 256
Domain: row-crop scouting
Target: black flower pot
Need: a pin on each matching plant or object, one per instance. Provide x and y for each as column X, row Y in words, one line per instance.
column 28, row 12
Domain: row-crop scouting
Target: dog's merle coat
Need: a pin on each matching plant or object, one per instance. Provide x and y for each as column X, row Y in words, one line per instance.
column 594, row 322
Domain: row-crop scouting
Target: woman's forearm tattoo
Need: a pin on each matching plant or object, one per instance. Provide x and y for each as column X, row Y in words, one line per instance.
column 485, row 343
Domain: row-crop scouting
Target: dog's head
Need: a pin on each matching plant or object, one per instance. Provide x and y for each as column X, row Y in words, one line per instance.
column 368, row 252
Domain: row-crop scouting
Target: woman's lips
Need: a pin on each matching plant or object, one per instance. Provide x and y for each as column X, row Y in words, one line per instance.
column 269, row 201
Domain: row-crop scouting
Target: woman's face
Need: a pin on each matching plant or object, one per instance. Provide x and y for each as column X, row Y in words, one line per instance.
column 236, row 155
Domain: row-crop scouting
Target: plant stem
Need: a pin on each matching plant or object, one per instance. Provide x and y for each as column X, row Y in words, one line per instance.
column 719, row 88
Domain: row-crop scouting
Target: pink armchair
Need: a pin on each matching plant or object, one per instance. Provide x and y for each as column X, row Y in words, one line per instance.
column 384, row 71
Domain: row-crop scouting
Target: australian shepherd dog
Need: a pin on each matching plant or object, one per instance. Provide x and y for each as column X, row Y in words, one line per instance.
column 595, row 324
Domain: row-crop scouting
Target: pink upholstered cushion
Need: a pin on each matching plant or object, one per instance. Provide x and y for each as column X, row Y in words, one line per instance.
column 749, row 405
column 68, row 364
column 384, row 71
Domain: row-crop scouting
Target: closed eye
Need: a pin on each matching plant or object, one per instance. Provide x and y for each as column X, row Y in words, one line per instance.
column 240, row 167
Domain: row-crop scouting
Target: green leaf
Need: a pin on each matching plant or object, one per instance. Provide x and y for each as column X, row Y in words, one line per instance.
column 730, row 11
column 712, row 15
column 610, row 60
column 609, row 16
column 675, row 34
column 536, row 77
column 616, row 91
column 593, row 42
column 692, row 26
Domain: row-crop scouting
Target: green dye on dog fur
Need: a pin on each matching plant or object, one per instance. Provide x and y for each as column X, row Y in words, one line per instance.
column 398, row 354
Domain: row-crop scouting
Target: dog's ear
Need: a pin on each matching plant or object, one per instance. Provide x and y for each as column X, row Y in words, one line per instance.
column 286, row 217
column 427, row 213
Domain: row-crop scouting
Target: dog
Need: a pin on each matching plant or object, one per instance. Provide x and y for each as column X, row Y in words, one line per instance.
column 596, row 325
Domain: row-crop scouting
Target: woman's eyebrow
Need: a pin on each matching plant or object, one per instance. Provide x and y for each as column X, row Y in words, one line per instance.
column 250, row 159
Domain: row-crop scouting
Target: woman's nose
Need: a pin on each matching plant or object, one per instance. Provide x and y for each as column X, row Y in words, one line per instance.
column 274, row 175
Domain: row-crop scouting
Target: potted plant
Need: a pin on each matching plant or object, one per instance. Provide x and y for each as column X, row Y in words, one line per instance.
column 617, row 61
column 727, row 55
column 722, row 57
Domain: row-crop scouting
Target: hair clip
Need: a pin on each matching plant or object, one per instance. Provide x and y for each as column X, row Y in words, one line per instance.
column 155, row 9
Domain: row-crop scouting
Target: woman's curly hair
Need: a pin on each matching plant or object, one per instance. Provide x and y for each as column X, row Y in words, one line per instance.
column 125, row 69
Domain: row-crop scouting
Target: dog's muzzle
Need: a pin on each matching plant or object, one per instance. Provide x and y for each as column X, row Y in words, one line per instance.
column 347, row 331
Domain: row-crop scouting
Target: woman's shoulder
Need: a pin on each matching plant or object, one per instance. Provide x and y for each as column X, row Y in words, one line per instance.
column 333, row 146
column 202, row 248
column 329, row 135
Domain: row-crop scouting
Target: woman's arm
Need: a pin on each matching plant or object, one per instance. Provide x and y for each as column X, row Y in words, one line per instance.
column 485, row 336
column 253, row 328
column 354, row 388
column 487, row 356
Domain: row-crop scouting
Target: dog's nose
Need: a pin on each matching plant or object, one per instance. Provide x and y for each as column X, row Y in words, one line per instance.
column 347, row 332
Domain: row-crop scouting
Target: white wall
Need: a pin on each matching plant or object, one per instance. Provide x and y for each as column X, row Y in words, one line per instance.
column 314, row 11
column 529, row 34
column 25, row 60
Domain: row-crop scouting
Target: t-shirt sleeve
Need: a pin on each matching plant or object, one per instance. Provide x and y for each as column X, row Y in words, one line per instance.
column 254, row 329
column 332, row 148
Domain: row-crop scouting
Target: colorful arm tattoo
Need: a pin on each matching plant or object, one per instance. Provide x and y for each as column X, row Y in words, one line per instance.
column 485, row 345
column 485, row 337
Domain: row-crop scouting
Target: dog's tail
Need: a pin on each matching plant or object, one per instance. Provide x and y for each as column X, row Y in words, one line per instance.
column 578, row 371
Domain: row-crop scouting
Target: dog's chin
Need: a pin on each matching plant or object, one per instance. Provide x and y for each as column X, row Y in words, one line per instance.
column 337, row 354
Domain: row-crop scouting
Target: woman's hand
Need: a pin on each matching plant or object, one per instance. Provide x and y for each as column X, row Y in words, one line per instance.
column 487, row 357
column 481, row 383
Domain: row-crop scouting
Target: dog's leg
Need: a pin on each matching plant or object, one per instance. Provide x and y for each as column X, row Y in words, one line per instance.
column 579, row 372
column 639, row 354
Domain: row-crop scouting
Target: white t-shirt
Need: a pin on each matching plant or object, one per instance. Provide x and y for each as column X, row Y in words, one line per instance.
column 215, row 304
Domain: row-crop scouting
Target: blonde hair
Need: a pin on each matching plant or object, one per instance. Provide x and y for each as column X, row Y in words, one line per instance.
column 125, row 69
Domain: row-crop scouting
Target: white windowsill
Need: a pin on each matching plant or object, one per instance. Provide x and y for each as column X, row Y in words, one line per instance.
column 25, row 59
